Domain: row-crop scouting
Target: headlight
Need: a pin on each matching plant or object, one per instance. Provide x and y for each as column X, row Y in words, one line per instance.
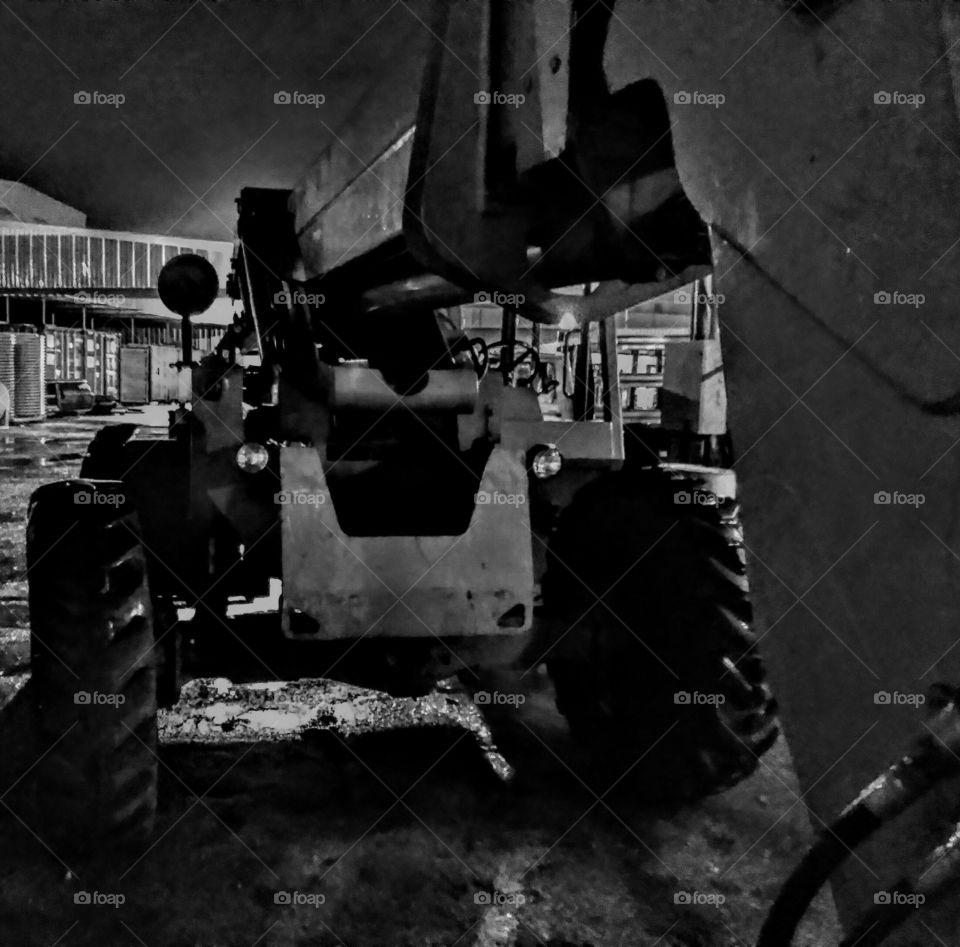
column 547, row 462
column 252, row 458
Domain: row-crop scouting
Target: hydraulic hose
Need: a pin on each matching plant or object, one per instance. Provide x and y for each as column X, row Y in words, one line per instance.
column 855, row 824
column 930, row 884
column 934, row 756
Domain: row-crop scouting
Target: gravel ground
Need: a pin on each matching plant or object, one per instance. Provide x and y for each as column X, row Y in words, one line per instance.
column 391, row 825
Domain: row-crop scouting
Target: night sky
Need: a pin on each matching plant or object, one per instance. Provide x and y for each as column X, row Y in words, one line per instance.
column 198, row 78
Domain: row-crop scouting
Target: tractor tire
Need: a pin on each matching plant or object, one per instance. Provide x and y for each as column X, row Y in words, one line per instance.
column 93, row 665
column 651, row 656
column 105, row 460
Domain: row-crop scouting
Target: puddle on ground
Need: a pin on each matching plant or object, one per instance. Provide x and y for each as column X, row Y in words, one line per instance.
column 21, row 462
column 58, row 441
column 22, row 449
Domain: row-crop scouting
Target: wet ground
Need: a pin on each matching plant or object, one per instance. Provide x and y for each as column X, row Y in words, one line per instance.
column 389, row 824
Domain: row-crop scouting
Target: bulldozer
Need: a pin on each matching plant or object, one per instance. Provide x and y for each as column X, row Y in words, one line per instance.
column 397, row 477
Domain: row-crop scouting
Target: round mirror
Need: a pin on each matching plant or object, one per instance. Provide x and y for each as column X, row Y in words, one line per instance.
column 188, row 284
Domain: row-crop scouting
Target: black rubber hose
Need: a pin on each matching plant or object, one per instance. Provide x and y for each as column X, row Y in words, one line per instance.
column 935, row 879
column 854, row 826
column 933, row 757
column 877, row 924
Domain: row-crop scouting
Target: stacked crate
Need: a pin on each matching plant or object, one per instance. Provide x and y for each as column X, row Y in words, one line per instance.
column 92, row 355
column 7, row 370
column 29, row 399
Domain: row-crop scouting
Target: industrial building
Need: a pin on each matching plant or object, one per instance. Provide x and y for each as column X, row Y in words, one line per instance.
column 80, row 304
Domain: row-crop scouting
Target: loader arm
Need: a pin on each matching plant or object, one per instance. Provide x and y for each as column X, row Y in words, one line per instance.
column 499, row 176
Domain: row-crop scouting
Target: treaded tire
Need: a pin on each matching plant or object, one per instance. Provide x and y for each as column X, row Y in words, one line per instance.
column 92, row 661
column 674, row 621
column 105, row 461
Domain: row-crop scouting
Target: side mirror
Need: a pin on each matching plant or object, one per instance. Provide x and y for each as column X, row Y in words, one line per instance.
column 188, row 284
